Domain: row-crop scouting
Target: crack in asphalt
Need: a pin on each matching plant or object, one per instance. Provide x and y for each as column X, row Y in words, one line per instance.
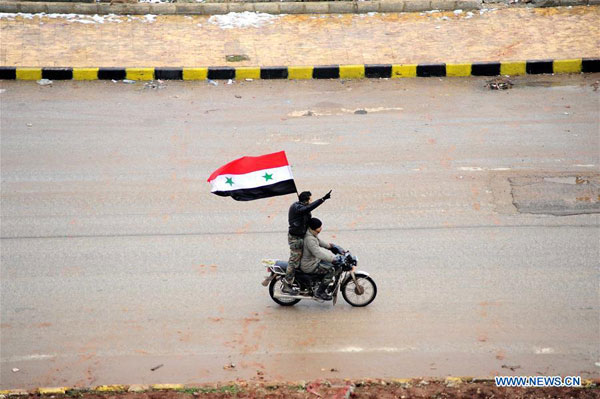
column 285, row 231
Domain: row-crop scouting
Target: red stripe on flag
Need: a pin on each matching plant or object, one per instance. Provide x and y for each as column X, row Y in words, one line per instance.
column 251, row 164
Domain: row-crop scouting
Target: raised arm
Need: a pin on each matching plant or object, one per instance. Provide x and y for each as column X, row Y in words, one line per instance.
column 302, row 209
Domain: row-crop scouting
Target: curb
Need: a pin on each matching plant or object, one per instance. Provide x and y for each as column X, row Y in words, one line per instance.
column 312, row 7
column 296, row 7
column 511, row 68
column 451, row 382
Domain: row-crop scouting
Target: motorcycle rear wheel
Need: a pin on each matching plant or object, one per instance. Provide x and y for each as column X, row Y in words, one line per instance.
column 348, row 289
column 275, row 286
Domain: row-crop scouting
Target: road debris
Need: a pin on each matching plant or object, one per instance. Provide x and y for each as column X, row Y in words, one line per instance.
column 512, row 368
column 312, row 388
column 44, row 82
column 500, row 83
column 360, row 112
column 237, row 96
column 29, row 124
column 212, row 82
column 128, row 81
column 237, row 58
column 15, row 370
column 229, row 366
column 155, row 84
column 230, row 82
column 596, row 85
column 156, row 367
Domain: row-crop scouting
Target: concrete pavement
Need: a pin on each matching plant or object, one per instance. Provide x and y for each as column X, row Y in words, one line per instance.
column 116, row 258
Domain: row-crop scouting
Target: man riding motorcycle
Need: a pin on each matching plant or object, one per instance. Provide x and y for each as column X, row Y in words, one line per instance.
column 298, row 217
column 317, row 261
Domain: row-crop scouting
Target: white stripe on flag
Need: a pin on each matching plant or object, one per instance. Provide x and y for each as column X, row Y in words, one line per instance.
column 255, row 179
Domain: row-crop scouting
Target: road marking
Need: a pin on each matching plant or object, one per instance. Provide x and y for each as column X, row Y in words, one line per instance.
column 340, row 111
column 543, row 351
column 471, row 168
column 26, row 358
column 479, row 169
column 354, row 349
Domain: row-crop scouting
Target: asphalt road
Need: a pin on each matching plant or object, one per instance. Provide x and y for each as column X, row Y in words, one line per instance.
column 115, row 257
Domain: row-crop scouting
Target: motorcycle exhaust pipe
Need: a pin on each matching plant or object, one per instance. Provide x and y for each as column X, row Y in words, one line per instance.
column 285, row 296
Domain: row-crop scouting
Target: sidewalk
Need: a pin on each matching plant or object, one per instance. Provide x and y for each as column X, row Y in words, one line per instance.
column 268, row 40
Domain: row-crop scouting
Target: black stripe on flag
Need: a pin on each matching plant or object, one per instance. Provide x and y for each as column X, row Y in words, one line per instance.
column 249, row 194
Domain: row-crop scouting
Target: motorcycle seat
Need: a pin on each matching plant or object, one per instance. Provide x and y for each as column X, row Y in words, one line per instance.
column 284, row 265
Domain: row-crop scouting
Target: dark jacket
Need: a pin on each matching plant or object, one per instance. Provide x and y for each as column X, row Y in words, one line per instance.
column 299, row 215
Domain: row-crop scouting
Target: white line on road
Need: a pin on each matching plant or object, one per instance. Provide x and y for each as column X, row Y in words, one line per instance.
column 26, row 358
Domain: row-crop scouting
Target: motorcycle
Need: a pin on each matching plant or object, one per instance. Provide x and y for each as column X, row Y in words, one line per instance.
column 357, row 287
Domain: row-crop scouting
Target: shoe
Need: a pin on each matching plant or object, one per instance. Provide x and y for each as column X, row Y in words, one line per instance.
column 288, row 289
column 323, row 295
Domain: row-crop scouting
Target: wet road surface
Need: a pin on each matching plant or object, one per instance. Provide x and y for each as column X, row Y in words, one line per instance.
column 116, row 258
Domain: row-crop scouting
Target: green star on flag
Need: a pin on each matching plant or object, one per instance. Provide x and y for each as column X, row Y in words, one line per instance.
column 268, row 177
column 229, row 181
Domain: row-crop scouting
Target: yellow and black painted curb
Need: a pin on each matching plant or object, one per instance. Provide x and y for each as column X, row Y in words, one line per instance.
column 404, row 382
column 531, row 67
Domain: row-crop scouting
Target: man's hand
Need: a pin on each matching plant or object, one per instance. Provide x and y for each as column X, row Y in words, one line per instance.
column 327, row 196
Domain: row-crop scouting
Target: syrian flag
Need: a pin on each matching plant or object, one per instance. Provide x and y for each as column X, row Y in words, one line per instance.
column 250, row 178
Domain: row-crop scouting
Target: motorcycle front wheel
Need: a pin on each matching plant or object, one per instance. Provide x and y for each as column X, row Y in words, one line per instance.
column 359, row 297
column 275, row 287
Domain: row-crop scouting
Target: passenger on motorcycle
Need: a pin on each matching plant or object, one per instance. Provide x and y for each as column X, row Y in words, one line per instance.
column 317, row 261
column 298, row 217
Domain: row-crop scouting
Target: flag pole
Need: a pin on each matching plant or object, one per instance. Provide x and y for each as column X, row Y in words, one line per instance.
column 296, row 188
